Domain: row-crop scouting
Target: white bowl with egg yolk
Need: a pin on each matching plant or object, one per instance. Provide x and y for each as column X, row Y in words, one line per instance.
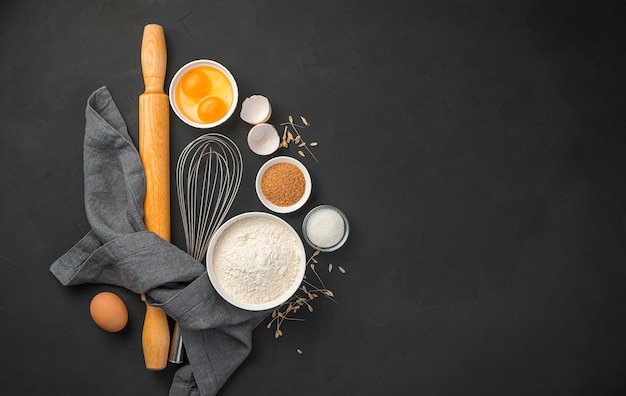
column 203, row 93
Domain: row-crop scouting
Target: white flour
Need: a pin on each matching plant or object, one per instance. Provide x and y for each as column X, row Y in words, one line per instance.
column 256, row 259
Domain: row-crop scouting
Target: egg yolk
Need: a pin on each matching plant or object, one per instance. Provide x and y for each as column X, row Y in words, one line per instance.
column 204, row 95
column 195, row 84
column 212, row 109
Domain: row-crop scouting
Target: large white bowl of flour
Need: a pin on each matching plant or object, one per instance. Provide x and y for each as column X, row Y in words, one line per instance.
column 256, row 261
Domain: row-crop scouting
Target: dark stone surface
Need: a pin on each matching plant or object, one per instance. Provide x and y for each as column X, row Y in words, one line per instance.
column 477, row 147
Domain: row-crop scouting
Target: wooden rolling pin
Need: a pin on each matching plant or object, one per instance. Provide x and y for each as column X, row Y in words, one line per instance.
column 154, row 150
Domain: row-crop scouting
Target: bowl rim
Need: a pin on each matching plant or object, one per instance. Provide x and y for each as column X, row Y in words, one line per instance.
column 307, row 185
column 178, row 75
column 269, row 304
column 343, row 239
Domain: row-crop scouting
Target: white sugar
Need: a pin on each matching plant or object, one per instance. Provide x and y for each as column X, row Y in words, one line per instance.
column 325, row 228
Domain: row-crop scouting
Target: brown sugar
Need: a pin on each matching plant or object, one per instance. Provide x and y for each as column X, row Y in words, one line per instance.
column 283, row 184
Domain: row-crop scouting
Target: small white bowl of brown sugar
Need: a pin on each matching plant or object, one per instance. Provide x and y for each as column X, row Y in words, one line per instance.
column 283, row 184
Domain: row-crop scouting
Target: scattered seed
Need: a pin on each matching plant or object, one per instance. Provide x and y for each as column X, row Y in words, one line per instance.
column 288, row 137
column 307, row 292
column 313, row 144
column 299, row 351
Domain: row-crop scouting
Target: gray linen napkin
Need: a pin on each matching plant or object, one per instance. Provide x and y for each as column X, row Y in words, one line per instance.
column 118, row 250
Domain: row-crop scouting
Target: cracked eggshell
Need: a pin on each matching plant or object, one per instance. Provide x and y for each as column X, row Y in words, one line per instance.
column 263, row 139
column 256, row 110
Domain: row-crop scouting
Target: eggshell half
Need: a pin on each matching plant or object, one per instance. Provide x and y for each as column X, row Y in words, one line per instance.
column 263, row 139
column 256, row 110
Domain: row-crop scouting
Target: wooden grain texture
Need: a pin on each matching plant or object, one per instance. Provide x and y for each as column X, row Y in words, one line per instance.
column 154, row 150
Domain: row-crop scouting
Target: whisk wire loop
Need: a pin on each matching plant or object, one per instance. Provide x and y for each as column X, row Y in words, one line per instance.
column 208, row 176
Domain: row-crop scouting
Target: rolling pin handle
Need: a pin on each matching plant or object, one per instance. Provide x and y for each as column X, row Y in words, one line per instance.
column 155, row 337
column 153, row 58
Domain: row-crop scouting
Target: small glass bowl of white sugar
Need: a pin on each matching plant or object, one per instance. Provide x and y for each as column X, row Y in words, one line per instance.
column 325, row 228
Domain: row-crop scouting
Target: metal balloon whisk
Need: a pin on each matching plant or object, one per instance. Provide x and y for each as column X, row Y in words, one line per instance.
column 208, row 176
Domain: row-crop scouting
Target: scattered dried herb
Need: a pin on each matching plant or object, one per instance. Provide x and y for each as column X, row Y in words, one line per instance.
column 309, row 290
column 288, row 137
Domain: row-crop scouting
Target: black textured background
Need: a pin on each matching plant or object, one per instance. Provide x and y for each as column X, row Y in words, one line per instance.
column 477, row 147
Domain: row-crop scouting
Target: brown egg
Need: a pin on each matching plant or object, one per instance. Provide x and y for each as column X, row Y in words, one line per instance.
column 109, row 311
